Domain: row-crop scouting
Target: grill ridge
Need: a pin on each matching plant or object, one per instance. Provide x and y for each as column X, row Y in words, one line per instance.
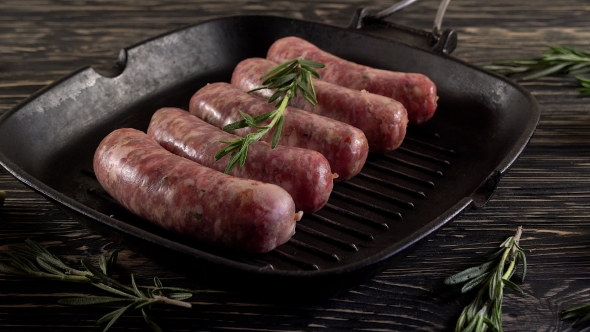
column 403, row 175
column 398, row 201
column 413, row 192
column 366, row 204
column 351, row 230
column 357, row 216
column 320, row 252
column 434, row 147
column 416, row 166
column 424, row 156
column 347, row 245
column 300, row 262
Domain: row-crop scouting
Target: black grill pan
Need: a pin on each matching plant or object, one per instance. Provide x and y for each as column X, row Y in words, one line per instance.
column 454, row 161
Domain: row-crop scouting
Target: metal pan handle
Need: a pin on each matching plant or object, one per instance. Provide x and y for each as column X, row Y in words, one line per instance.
column 436, row 40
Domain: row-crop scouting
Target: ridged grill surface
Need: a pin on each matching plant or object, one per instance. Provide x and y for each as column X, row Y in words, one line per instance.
column 362, row 213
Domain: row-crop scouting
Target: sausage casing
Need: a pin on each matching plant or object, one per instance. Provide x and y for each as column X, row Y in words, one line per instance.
column 303, row 173
column 415, row 91
column 344, row 146
column 382, row 119
column 182, row 196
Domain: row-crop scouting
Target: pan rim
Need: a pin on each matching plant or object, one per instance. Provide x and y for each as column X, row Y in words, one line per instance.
column 417, row 236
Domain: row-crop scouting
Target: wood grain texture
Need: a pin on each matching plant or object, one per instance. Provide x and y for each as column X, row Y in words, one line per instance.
column 547, row 190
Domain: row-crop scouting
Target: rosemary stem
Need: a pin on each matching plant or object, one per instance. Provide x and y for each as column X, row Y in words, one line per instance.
column 62, row 277
column 280, row 111
column 512, row 253
column 517, row 236
column 509, row 270
column 258, row 135
column 170, row 301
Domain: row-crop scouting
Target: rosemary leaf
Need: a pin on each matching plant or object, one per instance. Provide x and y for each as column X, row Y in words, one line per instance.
column 32, row 259
column 102, row 263
column 55, row 262
column 558, row 60
column 496, row 254
column 280, row 75
column 311, row 71
column 282, row 81
column 583, row 319
column 248, row 121
column 139, row 304
column 278, row 68
column 97, row 274
column 277, row 134
column 248, row 118
column 150, row 322
column 48, row 267
column 585, row 83
column 23, row 263
column 546, row 72
column 512, row 286
column 581, row 313
column 229, row 148
column 469, row 273
column 111, row 262
column 174, row 289
column 578, row 311
column 243, row 152
column 307, row 94
column 234, row 160
column 275, row 96
column 91, row 300
column 288, row 78
column 158, row 283
column 137, row 291
column 113, row 316
column 309, row 63
column 113, row 290
column 39, row 251
column 4, row 268
column 180, row 296
column 25, row 252
column 579, row 66
column 474, row 282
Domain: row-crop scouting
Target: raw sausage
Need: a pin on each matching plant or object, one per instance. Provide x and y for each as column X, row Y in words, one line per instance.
column 382, row 119
column 182, row 196
column 344, row 146
column 303, row 173
column 415, row 91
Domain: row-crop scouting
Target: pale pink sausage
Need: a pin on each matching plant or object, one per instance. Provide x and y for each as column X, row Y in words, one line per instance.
column 303, row 173
column 344, row 146
column 382, row 119
column 187, row 198
column 415, row 91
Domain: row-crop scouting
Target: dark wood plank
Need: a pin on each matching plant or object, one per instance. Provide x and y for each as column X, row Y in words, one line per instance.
column 547, row 190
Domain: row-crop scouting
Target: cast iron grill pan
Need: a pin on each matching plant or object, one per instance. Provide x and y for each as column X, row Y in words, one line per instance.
column 482, row 124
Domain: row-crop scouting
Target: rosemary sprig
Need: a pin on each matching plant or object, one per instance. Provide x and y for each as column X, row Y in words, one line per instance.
column 485, row 311
column 288, row 79
column 585, row 83
column 34, row 260
column 581, row 312
column 558, row 60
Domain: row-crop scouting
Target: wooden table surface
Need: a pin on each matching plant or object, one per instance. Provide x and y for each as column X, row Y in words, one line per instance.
column 547, row 190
